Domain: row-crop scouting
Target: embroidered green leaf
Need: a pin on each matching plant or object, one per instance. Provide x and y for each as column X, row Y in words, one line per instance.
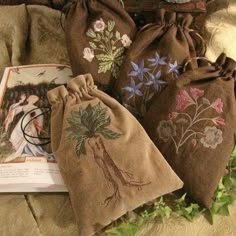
column 119, row 52
column 91, row 33
column 92, row 45
column 109, row 134
column 111, row 25
column 110, row 36
column 107, row 33
column 117, row 35
column 104, row 57
column 102, row 46
column 105, row 66
column 80, row 147
column 205, row 101
column 181, row 120
column 86, row 123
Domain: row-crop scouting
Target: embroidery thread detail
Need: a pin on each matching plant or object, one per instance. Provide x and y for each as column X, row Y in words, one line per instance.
column 145, row 80
column 88, row 126
column 181, row 125
column 104, row 47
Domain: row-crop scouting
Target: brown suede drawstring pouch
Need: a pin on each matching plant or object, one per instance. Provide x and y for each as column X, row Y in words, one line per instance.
column 156, row 56
column 98, row 33
column 192, row 122
column 109, row 164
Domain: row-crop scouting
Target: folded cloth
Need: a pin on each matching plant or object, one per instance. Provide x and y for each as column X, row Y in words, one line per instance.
column 109, row 164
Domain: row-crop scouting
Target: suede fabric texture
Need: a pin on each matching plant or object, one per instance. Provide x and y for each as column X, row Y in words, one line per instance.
column 192, row 122
column 96, row 143
column 156, row 57
column 58, row 4
column 98, row 34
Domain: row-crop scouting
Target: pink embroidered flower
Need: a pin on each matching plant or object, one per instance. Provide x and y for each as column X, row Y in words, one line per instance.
column 173, row 115
column 125, row 40
column 99, row 25
column 219, row 121
column 183, row 100
column 218, row 105
column 196, row 93
column 88, row 54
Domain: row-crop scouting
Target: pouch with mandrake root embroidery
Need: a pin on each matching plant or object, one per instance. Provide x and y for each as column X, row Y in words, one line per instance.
column 109, row 164
column 155, row 57
column 192, row 122
column 98, row 32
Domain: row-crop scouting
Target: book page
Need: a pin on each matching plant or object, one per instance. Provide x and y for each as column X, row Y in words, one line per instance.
column 27, row 163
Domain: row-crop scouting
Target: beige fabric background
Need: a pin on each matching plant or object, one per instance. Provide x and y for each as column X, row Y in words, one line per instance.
column 33, row 35
column 221, row 31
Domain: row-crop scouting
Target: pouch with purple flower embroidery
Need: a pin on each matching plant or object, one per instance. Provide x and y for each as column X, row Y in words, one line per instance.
column 192, row 122
column 156, row 57
column 98, row 33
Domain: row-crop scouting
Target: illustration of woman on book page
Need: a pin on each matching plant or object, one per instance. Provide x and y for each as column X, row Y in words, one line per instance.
column 22, row 147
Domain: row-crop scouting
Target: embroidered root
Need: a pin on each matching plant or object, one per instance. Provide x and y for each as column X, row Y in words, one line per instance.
column 111, row 171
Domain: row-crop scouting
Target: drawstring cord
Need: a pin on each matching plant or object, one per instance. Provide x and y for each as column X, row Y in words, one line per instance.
column 23, row 128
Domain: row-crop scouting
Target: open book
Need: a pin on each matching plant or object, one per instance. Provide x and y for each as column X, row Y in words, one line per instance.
column 26, row 160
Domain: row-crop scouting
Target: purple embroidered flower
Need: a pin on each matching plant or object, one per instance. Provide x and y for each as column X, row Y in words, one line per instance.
column 174, row 68
column 157, row 60
column 155, row 81
column 139, row 70
column 134, row 89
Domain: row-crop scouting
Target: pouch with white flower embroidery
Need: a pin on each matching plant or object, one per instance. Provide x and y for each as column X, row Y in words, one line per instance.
column 193, row 124
column 156, row 57
column 98, row 32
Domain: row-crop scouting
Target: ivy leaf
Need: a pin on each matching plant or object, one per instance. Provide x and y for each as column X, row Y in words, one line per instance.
column 223, row 199
column 92, row 45
column 111, row 25
column 159, row 210
column 189, row 212
column 123, row 229
column 109, row 134
column 91, row 33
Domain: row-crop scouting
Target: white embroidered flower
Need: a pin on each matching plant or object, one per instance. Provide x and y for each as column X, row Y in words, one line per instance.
column 126, row 41
column 212, row 138
column 88, row 54
column 99, row 25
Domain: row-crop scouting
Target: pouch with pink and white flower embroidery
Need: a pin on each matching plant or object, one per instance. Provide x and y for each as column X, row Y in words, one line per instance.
column 98, row 33
column 192, row 123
